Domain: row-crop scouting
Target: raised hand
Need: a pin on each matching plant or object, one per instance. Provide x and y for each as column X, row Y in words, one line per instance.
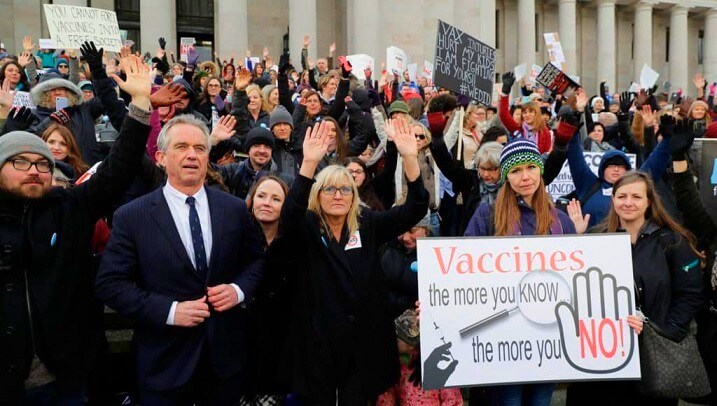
column 6, row 94
column 648, row 116
column 137, row 83
column 641, row 98
column 310, row 63
column 93, row 56
column 283, row 63
column 24, row 59
column 575, row 213
column 224, row 129
column 162, row 43
column 316, row 143
column 168, row 95
column 332, row 48
column 581, row 100
column 681, row 141
column 508, row 81
column 265, row 52
column 242, row 77
column 192, row 57
column 625, row 101
column 19, row 119
column 307, row 41
column 27, row 44
column 62, row 116
column 403, row 138
column 667, row 125
column 699, row 81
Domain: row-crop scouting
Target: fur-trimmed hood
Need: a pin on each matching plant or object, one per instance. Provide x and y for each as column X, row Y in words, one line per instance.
column 212, row 66
column 53, row 83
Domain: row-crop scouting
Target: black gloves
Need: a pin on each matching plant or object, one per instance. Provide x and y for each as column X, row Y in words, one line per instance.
column 508, row 81
column 625, row 101
column 682, row 138
column 93, row 56
column 283, row 63
column 18, row 119
column 162, row 42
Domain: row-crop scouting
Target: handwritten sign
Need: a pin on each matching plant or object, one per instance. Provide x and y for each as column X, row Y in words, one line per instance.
column 70, row 26
column 555, row 80
column 427, row 71
column 184, row 44
column 464, row 64
column 396, row 60
column 46, row 43
column 555, row 50
column 22, row 99
column 507, row 310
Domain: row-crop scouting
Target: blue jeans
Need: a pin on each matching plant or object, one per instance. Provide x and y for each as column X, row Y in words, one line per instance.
column 537, row 394
column 47, row 395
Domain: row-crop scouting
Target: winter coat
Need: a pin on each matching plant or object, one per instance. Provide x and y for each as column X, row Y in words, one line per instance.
column 48, row 255
column 400, row 268
column 341, row 309
column 479, row 224
column 544, row 140
column 240, row 177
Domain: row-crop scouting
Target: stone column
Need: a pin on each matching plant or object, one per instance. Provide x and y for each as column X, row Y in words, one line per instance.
column 679, row 65
column 231, row 34
column 158, row 19
column 526, row 32
column 364, row 33
column 568, row 33
column 709, row 53
column 642, row 38
column 607, row 48
column 486, row 30
column 302, row 21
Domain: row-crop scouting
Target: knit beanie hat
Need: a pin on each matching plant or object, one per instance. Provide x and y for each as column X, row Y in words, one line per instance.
column 280, row 115
column 407, row 327
column 398, row 107
column 259, row 135
column 595, row 99
column 698, row 103
column 19, row 142
column 519, row 152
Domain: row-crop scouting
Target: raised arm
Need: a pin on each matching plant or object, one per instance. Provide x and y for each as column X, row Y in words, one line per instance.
column 503, row 110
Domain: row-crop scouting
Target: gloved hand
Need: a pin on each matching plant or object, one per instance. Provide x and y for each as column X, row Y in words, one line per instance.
column 161, row 65
column 508, row 81
column 346, row 69
column 568, row 126
column 63, row 116
column 162, row 42
column 436, row 123
column 219, row 102
column 192, row 57
column 682, row 138
column 463, row 101
column 93, row 56
column 283, row 63
column 667, row 125
column 18, row 119
column 626, row 101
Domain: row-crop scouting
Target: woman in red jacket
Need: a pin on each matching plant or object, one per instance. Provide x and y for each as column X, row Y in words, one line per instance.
column 533, row 126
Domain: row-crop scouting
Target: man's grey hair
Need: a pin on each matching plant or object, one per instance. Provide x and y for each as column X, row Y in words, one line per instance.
column 163, row 140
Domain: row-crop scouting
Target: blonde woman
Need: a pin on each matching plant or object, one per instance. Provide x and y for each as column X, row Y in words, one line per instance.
column 343, row 343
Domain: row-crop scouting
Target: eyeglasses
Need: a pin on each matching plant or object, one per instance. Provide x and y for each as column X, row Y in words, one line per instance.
column 331, row 190
column 25, row 165
column 62, row 66
column 420, row 136
column 356, row 171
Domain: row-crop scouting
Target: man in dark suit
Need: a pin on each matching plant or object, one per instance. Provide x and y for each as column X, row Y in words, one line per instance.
column 179, row 261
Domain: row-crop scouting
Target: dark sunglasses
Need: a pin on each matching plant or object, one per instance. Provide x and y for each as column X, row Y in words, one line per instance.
column 420, row 136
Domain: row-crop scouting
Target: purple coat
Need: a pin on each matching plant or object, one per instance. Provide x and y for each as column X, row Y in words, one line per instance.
column 479, row 224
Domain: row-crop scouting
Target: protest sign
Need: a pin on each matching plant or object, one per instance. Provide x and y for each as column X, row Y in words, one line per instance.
column 555, row 50
column 46, row 43
column 360, row 62
column 184, row 44
column 22, row 99
column 464, row 64
column 520, row 71
column 499, row 310
column 555, row 80
column 708, row 174
column 396, row 60
column 534, row 72
column 563, row 183
column 70, row 26
column 413, row 72
column 648, row 77
column 428, row 72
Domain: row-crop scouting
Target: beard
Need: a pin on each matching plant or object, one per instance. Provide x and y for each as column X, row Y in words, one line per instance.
column 25, row 191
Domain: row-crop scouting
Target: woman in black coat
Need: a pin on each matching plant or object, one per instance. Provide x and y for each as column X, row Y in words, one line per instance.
column 342, row 336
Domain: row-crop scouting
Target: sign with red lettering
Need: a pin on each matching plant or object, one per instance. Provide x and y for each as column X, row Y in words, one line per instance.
column 499, row 310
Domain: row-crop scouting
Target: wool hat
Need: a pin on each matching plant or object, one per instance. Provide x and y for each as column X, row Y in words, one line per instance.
column 50, row 81
column 407, row 327
column 398, row 107
column 280, row 115
column 613, row 157
column 519, row 152
column 595, row 99
column 18, row 142
column 698, row 103
column 86, row 85
column 259, row 135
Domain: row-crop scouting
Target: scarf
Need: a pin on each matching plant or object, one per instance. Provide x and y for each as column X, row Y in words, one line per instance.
column 488, row 192
column 529, row 133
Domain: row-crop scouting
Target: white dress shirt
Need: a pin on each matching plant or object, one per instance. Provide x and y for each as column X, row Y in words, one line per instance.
column 177, row 202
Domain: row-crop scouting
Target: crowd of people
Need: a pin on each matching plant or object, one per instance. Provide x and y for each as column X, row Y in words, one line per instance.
column 257, row 223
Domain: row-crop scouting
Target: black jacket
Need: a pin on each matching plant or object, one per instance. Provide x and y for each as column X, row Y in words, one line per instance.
column 400, row 268
column 47, row 243
column 341, row 309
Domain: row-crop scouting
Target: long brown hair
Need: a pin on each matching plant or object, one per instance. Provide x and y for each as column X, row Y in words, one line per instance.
column 73, row 158
column 342, row 145
column 655, row 211
column 507, row 212
column 538, row 122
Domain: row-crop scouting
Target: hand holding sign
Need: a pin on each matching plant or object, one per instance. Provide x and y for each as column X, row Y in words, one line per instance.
column 594, row 332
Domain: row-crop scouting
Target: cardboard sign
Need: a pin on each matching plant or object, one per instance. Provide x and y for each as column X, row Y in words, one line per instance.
column 184, row 44
column 555, row 80
column 464, row 64
column 360, row 62
column 396, row 60
column 22, row 99
column 505, row 310
column 708, row 173
column 555, row 50
column 563, row 183
column 70, row 26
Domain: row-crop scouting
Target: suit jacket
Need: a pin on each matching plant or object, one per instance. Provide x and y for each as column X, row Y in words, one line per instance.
column 146, row 267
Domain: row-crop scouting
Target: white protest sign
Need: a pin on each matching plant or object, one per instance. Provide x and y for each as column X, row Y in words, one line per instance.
column 518, row 310
column 396, row 60
column 413, row 72
column 70, row 26
column 520, row 71
column 563, row 183
column 46, row 43
column 648, row 77
column 22, row 99
column 634, row 88
column 184, row 44
column 428, row 71
column 360, row 62
column 555, row 50
column 534, row 72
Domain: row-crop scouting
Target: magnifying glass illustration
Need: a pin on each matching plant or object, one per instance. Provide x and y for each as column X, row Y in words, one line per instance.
column 535, row 296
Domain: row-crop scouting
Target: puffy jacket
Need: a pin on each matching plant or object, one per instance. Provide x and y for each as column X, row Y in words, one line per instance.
column 479, row 224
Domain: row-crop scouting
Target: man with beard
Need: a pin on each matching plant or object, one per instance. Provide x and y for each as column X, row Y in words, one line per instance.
column 48, row 318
